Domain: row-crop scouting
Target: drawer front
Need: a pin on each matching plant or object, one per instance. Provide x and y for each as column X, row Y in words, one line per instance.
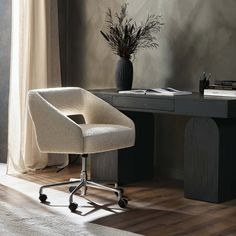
column 144, row 103
column 207, row 108
column 105, row 97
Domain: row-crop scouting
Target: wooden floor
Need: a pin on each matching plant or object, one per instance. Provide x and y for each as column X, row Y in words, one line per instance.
column 157, row 208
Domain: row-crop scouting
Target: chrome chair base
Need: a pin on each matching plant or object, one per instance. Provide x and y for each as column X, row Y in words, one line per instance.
column 82, row 184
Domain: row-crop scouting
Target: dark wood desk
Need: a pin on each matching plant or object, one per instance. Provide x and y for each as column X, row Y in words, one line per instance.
column 209, row 149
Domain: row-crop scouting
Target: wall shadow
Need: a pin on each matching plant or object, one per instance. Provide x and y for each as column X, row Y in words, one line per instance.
column 5, row 52
column 202, row 39
column 72, row 32
column 184, row 46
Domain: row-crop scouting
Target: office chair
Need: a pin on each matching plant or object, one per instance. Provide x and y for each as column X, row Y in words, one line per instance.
column 105, row 129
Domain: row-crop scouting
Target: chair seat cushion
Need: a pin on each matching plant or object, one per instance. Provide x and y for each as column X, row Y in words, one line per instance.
column 106, row 137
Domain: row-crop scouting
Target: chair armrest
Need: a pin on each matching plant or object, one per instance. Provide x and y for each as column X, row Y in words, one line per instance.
column 99, row 111
column 55, row 132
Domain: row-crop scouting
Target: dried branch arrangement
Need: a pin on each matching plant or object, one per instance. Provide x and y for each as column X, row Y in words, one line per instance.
column 125, row 37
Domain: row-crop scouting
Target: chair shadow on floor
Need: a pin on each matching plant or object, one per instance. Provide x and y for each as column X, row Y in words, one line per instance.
column 110, row 207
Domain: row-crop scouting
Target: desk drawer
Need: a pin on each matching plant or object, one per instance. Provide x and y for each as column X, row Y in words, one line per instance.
column 207, row 108
column 105, row 97
column 144, row 103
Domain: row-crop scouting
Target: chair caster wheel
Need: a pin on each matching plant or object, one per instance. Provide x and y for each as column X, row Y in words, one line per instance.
column 123, row 202
column 121, row 190
column 73, row 206
column 71, row 188
column 42, row 198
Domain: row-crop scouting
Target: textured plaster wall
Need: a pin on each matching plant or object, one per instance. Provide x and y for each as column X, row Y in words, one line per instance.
column 197, row 36
column 5, row 42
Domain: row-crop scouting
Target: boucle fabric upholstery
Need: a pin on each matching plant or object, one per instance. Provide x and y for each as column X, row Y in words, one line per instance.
column 105, row 128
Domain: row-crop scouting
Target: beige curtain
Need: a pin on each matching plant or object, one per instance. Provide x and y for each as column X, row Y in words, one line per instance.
column 34, row 64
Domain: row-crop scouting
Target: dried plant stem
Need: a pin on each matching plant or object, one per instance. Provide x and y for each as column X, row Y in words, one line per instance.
column 125, row 37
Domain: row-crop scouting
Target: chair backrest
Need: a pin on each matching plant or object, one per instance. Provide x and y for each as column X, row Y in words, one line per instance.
column 55, row 131
column 67, row 100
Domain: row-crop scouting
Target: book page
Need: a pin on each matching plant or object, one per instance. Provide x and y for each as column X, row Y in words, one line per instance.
column 133, row 91
column 167, row 91
column 156, row 91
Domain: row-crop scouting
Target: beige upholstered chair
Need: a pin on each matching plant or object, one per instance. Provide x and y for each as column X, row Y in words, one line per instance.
column 105, row 129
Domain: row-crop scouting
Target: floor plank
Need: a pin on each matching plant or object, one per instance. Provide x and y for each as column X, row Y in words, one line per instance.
column 155, row 208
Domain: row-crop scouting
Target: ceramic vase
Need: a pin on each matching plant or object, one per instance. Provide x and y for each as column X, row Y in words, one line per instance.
column 124, row 74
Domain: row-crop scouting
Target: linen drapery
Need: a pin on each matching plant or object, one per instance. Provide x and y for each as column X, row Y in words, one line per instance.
column 34, row 64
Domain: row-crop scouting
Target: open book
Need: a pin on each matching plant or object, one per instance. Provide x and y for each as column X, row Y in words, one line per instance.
column 156, row 91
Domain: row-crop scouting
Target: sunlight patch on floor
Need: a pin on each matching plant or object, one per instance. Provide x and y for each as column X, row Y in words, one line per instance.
column 59, row 200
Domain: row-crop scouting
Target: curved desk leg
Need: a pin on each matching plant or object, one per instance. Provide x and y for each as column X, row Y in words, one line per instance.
column 210, row 159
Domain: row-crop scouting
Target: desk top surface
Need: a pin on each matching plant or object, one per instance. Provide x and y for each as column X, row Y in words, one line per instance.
column 192, row 105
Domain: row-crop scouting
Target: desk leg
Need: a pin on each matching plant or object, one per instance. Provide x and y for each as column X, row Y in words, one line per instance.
column 210, row 159
column 130, row 164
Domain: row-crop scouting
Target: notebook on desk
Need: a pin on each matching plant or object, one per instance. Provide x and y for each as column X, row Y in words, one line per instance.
column 156, row 91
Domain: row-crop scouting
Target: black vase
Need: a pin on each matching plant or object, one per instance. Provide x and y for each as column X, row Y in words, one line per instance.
column 124, row 74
